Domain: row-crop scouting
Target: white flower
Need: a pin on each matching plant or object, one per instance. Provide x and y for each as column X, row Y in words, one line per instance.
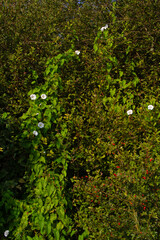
column 77, row 52
column 37, row 114
column 43, row 96
column 150, row 107
column 33, row 97
column 129, row 112
column 35, row 133
column 104, row 28
column 6, row 233
column 40, row 125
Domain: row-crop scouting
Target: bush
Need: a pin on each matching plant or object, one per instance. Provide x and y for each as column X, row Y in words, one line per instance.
column 98, row 150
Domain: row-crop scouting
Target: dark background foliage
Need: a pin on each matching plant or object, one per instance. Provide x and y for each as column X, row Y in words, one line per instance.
column 120, row 68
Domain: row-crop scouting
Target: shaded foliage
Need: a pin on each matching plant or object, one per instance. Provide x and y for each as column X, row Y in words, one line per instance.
column 110, row 152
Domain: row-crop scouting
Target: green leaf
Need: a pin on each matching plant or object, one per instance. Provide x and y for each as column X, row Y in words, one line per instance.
column 112, row 92
column 58, row 160
column 53, row 217
column 73, row 232
column 48, row 227
column 64, row 172
column 54, row 111
column 42, row 209
column 34, row 74
column 41, row 224
column 60, row 226
column 4, row 115
column 36, row 238
column 47, row 70
column 47, row 125
column 44, row 182
column 54, row 102
column 60, row 212
column 95, row 47
column 48, row 114
column 51, row 189
column 104, row 100
column 63, row 133
column 42, row 159
column 123, row 83
column 54, row 70
column 36, row 90
column 55, row 201
column 109, row 79
column 58, row 144
column 120, row 73
column 56, row 234
column 109, row 67
column 58, row 56
column 124, row 100
column 80, row 237
column 29, row 238
column 62, row 62
column 128, row 50
column 135, row 81
column 40, row 202
column 61, row 177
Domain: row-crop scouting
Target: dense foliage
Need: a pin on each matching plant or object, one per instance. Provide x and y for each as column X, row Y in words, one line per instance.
column 79, row 120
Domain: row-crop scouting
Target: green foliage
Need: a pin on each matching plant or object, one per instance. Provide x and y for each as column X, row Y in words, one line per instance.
column 92, row 169
column 43, row 211
column 32, row 32
column 123, row 204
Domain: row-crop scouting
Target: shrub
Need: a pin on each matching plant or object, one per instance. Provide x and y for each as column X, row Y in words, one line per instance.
column 95, row 121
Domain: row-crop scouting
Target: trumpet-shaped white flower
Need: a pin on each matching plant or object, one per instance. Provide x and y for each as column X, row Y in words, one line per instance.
column 43, row 96
column 77, row 52
column 35, row 133
column 150, row 107
column 129, row 112
column 40, row 125
column 104, row 28
column 33, row 97
column 6, row 233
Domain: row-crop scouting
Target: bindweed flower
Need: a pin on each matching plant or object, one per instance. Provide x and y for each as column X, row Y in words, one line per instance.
column 40, row 125
column 6, row 233
column 150, row 107
column 33, row 97
column 129, row 112
column 35, row 133
column 104, row 28
column 43, row 96
column 77, row 52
